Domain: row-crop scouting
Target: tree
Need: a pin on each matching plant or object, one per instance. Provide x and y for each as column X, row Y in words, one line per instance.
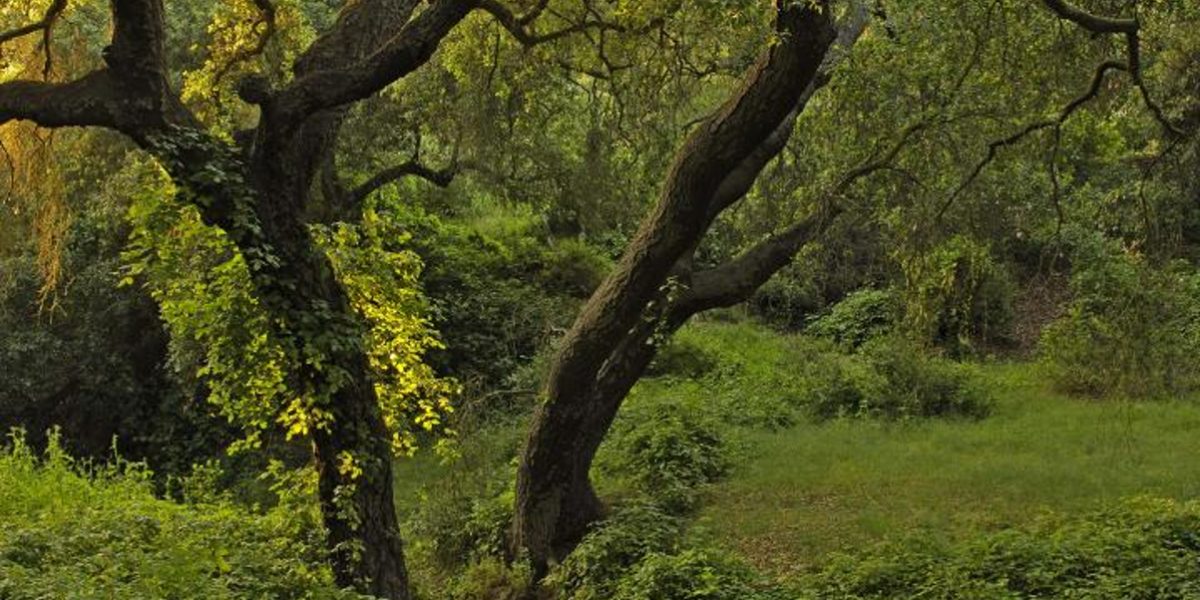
column 258, row 188
column 654, row 289
column 657, row 286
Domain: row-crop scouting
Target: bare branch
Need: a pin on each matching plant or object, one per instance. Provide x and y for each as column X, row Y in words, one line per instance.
column 440, row 177
column 44, row 25
column 1066, row 112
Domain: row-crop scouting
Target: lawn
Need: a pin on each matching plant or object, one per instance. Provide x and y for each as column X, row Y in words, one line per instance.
column 812, row 489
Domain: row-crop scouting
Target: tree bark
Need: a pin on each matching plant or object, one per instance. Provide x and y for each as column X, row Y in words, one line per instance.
column 614, row 338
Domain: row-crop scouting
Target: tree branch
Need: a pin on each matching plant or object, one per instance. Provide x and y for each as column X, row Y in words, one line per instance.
column 407, row 50
column 519, row 26
column 1066, row 112
column 266, row 12
column 441, row 178
column 1090, row 22
column 740, row 180
column 1131, row 29
column 44, row 25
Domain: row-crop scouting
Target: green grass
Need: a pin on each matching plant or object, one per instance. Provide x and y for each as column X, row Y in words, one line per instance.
column 813, row 489
column 799, row 492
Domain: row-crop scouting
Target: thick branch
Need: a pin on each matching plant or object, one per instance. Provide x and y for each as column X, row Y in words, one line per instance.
column 412, row 168
column 735, row 281
column 410, row 48
column 93, row 100
column 1090, row 22
column 741, row 179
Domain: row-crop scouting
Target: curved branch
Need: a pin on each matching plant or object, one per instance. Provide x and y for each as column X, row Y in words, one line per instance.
column 995, row 146
column 410, row 48
column 1131, row 29
column 266, row 18
column 518, row 26
column 1090, row 22
column 440, row 177
column 44, row 25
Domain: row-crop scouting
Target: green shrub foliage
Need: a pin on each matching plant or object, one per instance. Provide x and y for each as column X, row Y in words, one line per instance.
column 67, row 531
column 1131, row 329
column 1145, row 548
column 860, row 316
column 892, row 378
column 668, row 450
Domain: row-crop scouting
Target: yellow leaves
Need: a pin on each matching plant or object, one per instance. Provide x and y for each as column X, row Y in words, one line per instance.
column 348, row 466
column 300, row 418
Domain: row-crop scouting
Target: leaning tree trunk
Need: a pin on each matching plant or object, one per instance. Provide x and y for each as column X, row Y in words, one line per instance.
column 653, row 289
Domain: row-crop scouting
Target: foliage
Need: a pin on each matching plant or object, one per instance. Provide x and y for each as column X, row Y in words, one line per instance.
column 220, row 332
column 1132, row 328
column 956, row 294
column 682, row 358
column 1144, row 548
column 668, row 449
column 892, row 378
column 860, row 316
column 497, row 297
column 611, row 550
column 694, row 574
column 68, row 530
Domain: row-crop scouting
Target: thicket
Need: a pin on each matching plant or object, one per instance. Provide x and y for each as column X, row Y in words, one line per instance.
column 1132, row 327
column 71, row 529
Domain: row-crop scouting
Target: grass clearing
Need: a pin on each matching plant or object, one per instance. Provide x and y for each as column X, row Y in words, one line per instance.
column 813, row 489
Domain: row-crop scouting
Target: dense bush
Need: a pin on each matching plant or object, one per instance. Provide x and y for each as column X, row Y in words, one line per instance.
column 1131, row 328
column 1145, row 549
column 860, row 316
column 668, row 449
column 71, row 532
column 957, row 295
column 695, row 574
column 892, row 378
column 593, row 571
column 93, row 362
column 682, row 358
column 497, row 298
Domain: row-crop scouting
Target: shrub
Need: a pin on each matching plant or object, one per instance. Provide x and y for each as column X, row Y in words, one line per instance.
column 1130, row 329
column 70, row 532
column 893, row 378
column 1143, row 548
column 957, row 294
column 694, row 574
column 594, row 569
column 490, row 579
column 860, row 316
column 668, row 449
column 682, row 358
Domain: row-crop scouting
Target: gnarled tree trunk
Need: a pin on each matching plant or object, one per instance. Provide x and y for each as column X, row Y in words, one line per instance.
column 613, row 340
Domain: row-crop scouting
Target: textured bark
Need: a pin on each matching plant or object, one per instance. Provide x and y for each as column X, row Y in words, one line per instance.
column 611, row 343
